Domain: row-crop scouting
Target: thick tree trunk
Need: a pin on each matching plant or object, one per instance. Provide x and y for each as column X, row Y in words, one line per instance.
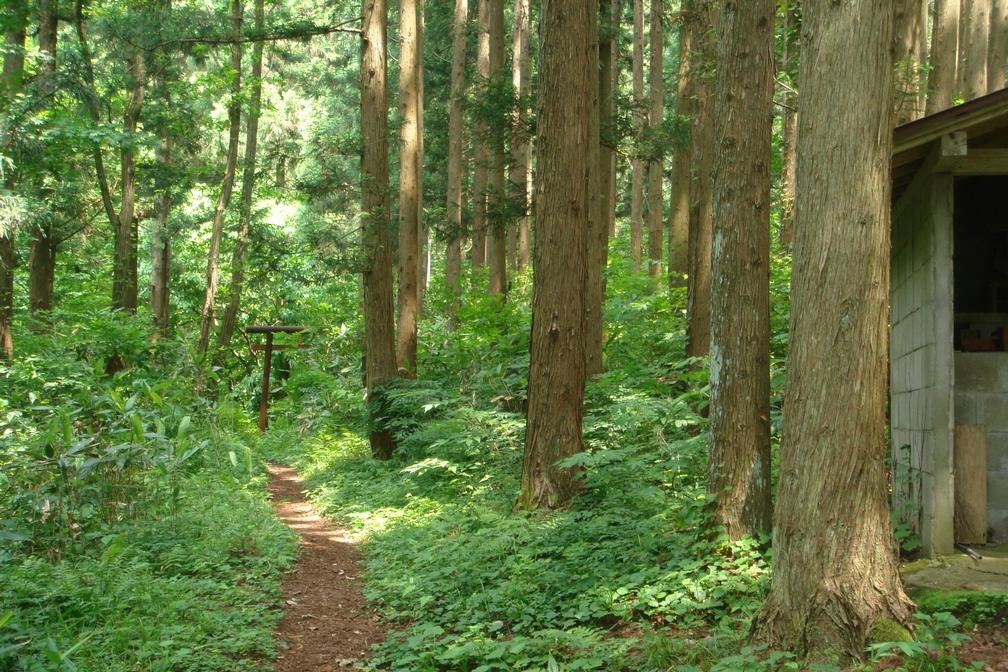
column 678, row 251
column 835, row 572
column 224, row 199
column 909, row 25
column 791, row 98
column 639, row 167
column 379, row 325
column 973, row 46
column 997, row 46
column 656, row 167
column 409, row 188
column 248, row 187
column 739, row 472
column 702, row 153
column 566, row 207
column 456, row 146
column 13, row 76
column 124, row 276
column 496, row 212
column 944, row 56
column 521, row 150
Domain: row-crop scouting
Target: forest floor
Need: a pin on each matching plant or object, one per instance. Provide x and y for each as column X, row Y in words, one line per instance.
column 327, row 624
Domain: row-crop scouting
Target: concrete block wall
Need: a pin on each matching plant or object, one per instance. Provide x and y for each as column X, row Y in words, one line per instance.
column 981, row 398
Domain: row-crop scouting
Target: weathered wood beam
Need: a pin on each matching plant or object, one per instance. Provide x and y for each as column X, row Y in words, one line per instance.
column 981, row 162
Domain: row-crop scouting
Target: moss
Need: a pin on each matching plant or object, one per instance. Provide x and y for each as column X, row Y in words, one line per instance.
column 888, row 630
column 970, row 606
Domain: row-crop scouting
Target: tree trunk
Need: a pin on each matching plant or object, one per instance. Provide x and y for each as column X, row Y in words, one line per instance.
column 161, row 251
column 739, row 472
column 789, row 72
column 909, row 67
column 224, row 199
column 456, row 145
column 409, row 184
column 678, row 254
column 13, row 77
column 997, row 46
column 973, row 47
column 124, row 276
column 702, row 153
column 248, row 187
column 423, row 270
column 835, row 572
column 481, row 153
column 379, row 327
column 521, row 154
column 496, row 212
column 656, row 167
column 944, row 56
column 639, row 167
column 566, row 210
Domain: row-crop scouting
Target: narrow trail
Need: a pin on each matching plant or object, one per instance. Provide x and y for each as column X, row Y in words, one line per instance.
column 328, row 625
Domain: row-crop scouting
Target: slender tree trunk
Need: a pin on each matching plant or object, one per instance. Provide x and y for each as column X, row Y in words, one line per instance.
column 997, row 46
column 614, row 193
column 656, row 167
column 909, row 66
column 230, row 319
column 224, row 199
column 973, row 48
column 739, row 472
column 521, row 150
column 678, row 254
column 161, row 251
column 456, row 146
column 409, row 184
column 496, row 211
column 944, row 56
column 13, row 77
column 789, row 72
column 639, row 167
column 702, row 153
column 379, row 325
column 481, row 152
column 423, row 270
column 124, row 276
column 566, row 207
column 835, row 572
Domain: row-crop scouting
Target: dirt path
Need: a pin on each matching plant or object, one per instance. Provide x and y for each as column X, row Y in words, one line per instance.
column 328, row 626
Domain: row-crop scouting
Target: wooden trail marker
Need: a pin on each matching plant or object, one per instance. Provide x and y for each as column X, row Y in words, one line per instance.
column 268, row 348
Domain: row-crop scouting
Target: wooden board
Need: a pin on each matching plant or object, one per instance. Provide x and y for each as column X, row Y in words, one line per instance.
column 970, row 484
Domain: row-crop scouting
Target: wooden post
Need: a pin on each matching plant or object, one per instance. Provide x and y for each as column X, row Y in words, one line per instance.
column 971, row 484
column 264, row 399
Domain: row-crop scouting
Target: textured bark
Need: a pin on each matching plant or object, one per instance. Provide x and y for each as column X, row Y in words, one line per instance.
column 496, row 215
column 566, row 207
column 230, row 318
column 739, row 472
column 379, row 326
column 423, row 270
column 639, row 167
column 789, row 72
column 224, row 199
column 656, row 167
column 702, row 153
column 409, row 187
column 161, row 251
column 944, row 56
column 124, row 265
column 835, row 571
column 456, row 146
column 678, row 251
column 481, row 153
column 973, row 42
column 521, row 150
column 997, row 45
column 13, row 77
column 908, row 26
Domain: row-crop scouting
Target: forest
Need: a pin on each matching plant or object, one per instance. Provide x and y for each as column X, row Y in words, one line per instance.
column 473, row 335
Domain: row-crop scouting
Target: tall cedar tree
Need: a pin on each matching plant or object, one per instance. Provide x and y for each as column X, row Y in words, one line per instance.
column 379, row 326
column 702, row 158
column 789, row 76
column 496, row 219
column 124, row 274
column 521, row 149
column 409, row 187
column 566, row 207
column 13, row 77
column 997, row 46
column 739, row 472
column 656, row 166
column 910, row 55
column 224, row 198
column 230, row 318
column 944, row 56
column 678, row 243
column 456, row 145
column 481, row 149
column 835, row 572
column 160, row 245
column 639, row 167
column 973, row 46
